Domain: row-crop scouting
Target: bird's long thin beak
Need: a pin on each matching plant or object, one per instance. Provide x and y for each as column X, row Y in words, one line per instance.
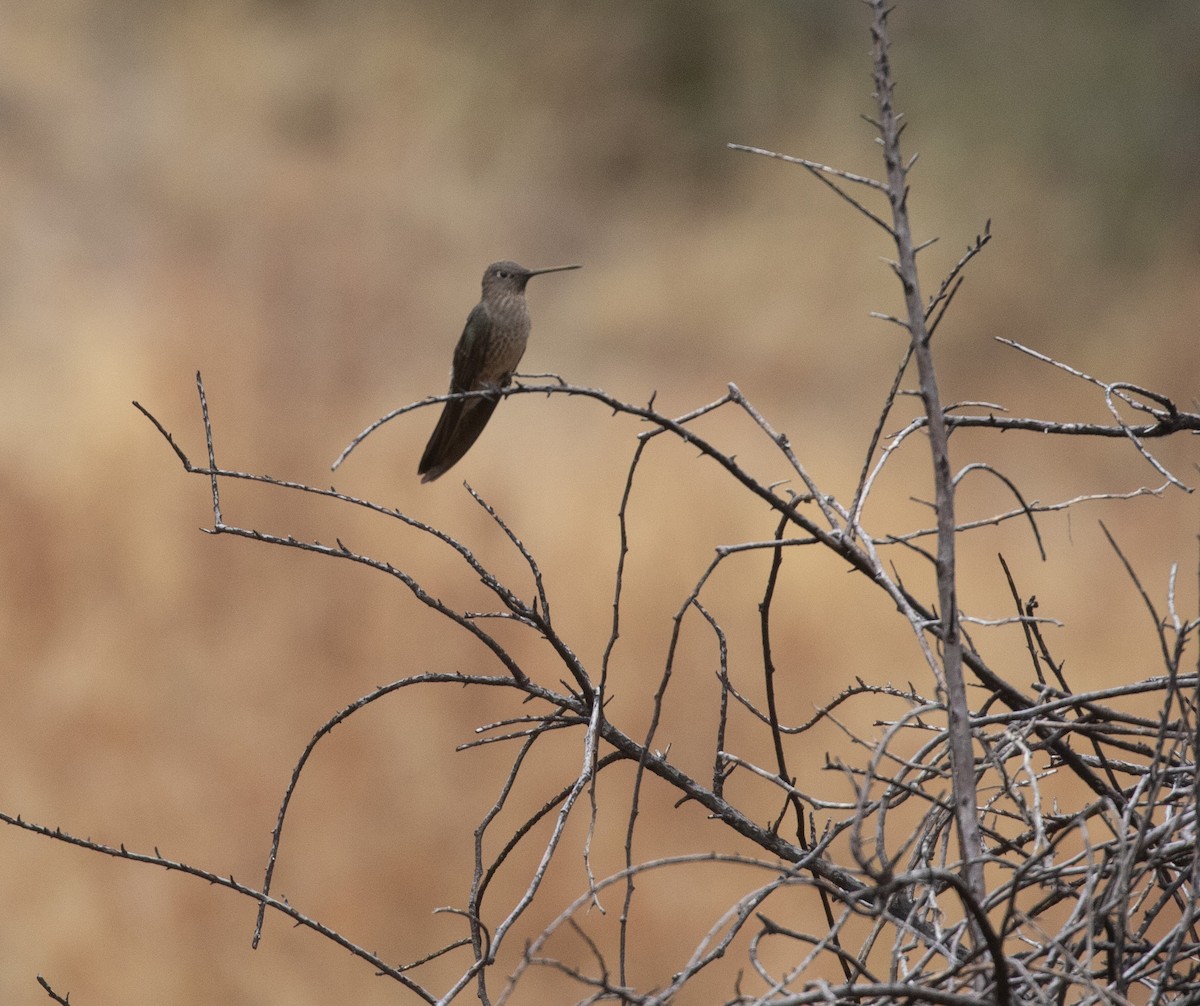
column 556, row 268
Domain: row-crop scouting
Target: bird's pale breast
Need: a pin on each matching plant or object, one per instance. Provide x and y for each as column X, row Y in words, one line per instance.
column 507, row 336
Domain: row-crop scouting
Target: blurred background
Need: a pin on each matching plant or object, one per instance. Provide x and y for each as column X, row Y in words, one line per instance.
column 298, row 199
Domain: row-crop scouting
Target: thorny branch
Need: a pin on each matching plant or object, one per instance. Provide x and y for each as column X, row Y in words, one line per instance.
column 949, row 673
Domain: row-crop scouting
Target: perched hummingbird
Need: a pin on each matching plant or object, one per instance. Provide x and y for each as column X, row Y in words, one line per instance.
column 485, row 359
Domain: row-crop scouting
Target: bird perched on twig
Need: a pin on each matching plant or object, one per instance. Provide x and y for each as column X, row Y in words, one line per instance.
column 485, row 359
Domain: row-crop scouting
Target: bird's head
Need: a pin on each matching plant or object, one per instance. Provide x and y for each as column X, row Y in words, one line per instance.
column 508, row 277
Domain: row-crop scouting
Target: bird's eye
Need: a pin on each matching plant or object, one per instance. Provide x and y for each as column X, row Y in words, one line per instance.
column 502, row 274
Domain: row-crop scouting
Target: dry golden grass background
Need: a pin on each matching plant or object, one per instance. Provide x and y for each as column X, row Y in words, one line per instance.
column 298, row 199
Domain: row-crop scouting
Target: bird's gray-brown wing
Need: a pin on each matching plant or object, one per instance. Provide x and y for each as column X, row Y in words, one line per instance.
column 462, row 419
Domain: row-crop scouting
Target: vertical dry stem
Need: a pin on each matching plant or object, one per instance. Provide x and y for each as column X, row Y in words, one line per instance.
column 962, row 754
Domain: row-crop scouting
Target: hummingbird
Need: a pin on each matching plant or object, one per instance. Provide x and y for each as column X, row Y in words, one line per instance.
column 487, row 354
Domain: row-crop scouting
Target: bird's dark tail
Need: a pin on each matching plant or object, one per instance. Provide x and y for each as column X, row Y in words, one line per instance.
column 463, row 419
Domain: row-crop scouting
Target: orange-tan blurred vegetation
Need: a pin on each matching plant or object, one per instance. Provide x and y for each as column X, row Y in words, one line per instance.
column 298, row 199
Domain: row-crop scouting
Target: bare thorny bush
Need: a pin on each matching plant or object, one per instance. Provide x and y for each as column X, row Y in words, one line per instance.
column 956, row 874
